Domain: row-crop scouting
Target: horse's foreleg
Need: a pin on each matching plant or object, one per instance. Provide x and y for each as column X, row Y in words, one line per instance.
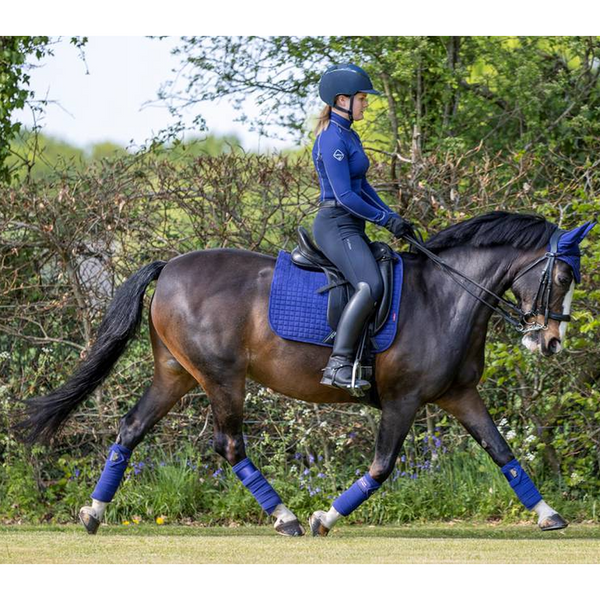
column 396, row 420
column 468, row 407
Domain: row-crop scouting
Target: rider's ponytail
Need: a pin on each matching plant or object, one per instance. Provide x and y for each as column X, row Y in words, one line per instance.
column 323, row 119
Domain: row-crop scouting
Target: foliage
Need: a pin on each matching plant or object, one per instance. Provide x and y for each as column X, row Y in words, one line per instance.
column 475, row 141
column 14, row 81
column 442, row 93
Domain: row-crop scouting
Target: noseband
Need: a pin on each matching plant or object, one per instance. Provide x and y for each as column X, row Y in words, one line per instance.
column 541, row 304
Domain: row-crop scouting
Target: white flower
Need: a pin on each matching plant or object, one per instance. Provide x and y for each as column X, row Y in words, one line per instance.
column 510, row 435
column 576, row 478
column 530, row 438
column 530, row 456
column 4, row 355
column 503, row 422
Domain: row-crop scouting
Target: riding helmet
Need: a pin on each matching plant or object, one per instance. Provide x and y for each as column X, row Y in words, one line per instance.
column 346, row 79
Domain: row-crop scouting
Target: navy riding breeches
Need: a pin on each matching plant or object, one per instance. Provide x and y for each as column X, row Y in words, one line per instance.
column 341, row 236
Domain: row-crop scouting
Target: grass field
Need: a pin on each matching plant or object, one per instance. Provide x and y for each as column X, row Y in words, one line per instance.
column 438, row 543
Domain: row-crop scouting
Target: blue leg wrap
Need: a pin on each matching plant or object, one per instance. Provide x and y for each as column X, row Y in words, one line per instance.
column 519, row 481
column 258, row 486
column 356, row 494
column 118, row 459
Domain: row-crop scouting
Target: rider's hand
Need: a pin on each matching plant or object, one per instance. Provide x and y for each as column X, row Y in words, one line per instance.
column 399, row 227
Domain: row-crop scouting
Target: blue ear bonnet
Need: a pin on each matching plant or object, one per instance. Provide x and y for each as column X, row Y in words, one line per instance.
column 568, row 247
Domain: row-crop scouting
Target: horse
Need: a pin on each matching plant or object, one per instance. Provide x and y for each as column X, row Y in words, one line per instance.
column 209, row 326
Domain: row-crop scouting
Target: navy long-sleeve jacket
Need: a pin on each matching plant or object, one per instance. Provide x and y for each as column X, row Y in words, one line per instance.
column 342, row 166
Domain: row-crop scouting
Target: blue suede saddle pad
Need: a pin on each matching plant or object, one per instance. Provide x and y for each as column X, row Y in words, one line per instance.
column 297, row 312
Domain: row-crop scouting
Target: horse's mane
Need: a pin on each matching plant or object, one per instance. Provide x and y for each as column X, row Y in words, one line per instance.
column 497, row 228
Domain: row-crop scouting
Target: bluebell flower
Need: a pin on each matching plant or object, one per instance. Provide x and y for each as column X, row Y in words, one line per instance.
column 298, row 456
column 77, row 473
column 438, row 442
column 161, row 463
column 306, row 472
column 414, row 476
column 321, row 475
column 311, row 459
column 217, row 473
column 319, row 458
column 403, row 458
column 357, row 472
column 352, row 434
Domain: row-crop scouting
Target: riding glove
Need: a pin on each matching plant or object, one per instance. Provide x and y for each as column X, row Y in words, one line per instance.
column 399, row 227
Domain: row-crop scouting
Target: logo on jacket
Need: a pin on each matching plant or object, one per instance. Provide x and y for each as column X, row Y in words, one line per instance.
column 338, row 155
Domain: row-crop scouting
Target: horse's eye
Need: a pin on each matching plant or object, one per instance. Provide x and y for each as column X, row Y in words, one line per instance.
column 564, row 280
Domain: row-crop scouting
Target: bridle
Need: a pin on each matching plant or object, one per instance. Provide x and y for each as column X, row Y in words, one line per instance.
column 524, row 323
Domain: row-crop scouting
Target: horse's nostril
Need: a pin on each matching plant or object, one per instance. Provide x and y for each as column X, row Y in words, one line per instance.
column 554, row 345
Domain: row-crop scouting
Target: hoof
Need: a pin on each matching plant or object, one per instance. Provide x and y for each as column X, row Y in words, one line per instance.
column 88, row 520
column 552, row 522
column 290, row 528
column 316, row 526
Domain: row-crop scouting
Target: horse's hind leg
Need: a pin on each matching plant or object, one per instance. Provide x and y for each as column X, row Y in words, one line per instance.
column 169, row 384
column 227, row 401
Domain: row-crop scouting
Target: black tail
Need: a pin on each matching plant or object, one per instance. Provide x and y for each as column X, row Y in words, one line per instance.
column 46, row 414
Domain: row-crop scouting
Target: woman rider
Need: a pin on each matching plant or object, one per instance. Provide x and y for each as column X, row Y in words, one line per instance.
column 347, row 201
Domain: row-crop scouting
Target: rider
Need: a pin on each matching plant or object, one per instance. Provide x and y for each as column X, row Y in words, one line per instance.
column 347, row 201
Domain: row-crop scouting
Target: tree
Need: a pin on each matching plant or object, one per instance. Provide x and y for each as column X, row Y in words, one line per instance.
column 14, row 85
column 441, row 93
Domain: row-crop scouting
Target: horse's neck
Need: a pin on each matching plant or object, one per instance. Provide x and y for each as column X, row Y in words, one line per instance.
column 494, row 268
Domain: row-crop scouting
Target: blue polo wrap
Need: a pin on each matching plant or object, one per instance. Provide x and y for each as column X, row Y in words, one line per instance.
column 356, row 494
column 519, row 481
column 118, row 459
column 258, row 486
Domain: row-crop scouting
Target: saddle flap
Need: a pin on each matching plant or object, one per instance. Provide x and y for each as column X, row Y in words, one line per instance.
column 385, row 258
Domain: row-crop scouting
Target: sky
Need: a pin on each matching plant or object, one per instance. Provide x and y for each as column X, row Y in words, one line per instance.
column 103, row 98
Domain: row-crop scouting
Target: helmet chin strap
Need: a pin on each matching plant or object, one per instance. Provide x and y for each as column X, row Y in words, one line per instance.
column 350, row 111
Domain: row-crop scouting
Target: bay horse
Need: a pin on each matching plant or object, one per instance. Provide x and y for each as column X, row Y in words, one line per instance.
column 209, row 326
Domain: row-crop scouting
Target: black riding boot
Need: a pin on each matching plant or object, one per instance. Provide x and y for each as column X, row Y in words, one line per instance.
column 338, row 372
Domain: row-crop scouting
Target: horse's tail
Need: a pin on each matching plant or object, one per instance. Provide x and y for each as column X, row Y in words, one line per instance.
column 46, row 414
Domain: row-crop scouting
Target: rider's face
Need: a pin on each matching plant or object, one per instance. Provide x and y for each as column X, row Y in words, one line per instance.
column 360, row 105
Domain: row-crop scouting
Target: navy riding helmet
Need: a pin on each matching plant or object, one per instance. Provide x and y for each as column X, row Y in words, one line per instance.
column 347, row 80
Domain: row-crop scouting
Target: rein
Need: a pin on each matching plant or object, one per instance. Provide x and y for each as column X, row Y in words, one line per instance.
column 523, row 324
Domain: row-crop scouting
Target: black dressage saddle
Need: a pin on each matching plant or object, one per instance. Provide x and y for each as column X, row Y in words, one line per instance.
column 308, row 256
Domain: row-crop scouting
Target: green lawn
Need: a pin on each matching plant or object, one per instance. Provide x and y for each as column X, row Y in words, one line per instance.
column 437, row 543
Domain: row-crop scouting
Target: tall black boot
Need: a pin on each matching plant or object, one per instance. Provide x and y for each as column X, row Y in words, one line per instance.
column 338, row 372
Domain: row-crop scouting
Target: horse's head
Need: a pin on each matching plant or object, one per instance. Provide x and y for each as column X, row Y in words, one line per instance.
column 544, row 289
column 549, row 337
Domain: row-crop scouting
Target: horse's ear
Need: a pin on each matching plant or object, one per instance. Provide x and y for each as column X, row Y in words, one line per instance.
column 574, row 236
